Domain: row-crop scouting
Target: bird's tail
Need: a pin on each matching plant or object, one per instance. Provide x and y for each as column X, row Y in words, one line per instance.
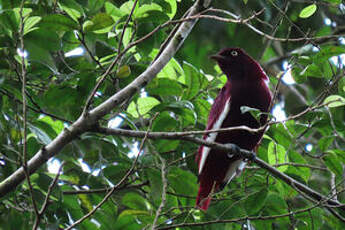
column 206, row 188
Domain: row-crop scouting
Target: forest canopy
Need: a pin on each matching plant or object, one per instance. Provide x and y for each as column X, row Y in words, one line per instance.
column 103, row 104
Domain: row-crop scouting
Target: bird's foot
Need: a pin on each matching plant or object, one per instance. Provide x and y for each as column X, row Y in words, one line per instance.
column 235, row 150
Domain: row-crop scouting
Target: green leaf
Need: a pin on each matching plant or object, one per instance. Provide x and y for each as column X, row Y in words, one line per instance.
column 303, row 172
column 95, row 5
column 123, row 72
column 334, row 101
column 113, row 11
column 333, row 163
column 164, row 122
column 171, row 70
column 308, row 11
column 72, row 8
column 55, row 124
column 164, row 87
column 127, row 7
column 98, row 22
column 170, row 8
column 192, row 81
column 40, row 134
column 253, row 111
column 277, row 155
column 297, row 74
column 327, row 52
column 255, row 202
column 183, row 182
column 143, row 106
column 334, row 1
column 135, row 201
column 58, row 22
column 325, row 142
column 30, row 22
column 115, row 173
column 245, row 1
column 144, row 9
column 275, row 204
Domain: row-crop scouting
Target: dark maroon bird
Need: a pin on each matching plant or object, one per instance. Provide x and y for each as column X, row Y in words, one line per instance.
column 247, row 85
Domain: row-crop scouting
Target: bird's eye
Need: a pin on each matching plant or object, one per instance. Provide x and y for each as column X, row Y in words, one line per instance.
column 234, row 53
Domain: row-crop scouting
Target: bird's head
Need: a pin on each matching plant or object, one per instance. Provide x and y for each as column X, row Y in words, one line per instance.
column 236, row 63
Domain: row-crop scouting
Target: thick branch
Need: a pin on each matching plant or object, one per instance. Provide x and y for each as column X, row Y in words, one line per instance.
column 232, row 149
column 84, row 123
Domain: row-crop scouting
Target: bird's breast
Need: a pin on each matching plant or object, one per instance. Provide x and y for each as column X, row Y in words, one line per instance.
column 254, row 96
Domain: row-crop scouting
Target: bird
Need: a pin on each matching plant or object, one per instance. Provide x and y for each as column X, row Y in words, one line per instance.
column 247, row 85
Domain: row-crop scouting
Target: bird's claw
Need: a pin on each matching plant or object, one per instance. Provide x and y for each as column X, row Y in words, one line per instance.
column 235, row 150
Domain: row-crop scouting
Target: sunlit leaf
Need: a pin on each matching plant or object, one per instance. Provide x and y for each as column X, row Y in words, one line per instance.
column 308, row 11
column 334, row 101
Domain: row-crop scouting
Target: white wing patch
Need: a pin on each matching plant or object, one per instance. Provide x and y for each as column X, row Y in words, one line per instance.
column 212, row 136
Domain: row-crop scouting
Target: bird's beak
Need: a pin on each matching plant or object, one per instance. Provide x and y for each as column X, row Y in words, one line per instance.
column 217, row 57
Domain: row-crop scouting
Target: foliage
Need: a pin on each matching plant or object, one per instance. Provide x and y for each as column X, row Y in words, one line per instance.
column 309, row 147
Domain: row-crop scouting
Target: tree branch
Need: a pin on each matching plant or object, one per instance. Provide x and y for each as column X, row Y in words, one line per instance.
column 232, row 149
column 84, row 123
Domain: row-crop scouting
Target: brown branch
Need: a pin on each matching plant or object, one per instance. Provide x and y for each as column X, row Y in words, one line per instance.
column 113, row 189
column 84, row 123
column 24, row 138
column 291, row 213
column 230, row 148
column 103, row 190
column 267, row 36
column 46, row 200
column 107, row 72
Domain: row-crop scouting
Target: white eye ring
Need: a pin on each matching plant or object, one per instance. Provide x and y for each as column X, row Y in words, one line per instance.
column 234, row 53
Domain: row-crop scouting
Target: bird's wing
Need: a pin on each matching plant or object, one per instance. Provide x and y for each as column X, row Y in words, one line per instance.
column 219, row 111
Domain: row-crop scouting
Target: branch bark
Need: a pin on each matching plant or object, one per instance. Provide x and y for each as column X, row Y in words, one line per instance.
column 232, row 149
column 84, row 123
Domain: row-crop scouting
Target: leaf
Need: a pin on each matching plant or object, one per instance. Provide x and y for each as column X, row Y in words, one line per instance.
column 297, row 74
column 303, row 172
column 98, row 22
column 192, row 81
column 325, row 142
column 144, row 9
column 113, row 11
column 114, row 173
column 58, row 22
column 30, row 23
column 164, row 87
column 245, row 1
column 95, row 5
column 277, row 155
column 308, row 11
column 334, row 101
column 41, row 135
column 327, row 52
column 170, row 8
column 127, row 7
column 143, row 106
column 253, row 111
column 333, row 163
column 56, row 125
column 182, row 182
column 255, row 202
column 123, row 72
column 135, row 201
column 72, row 8
column 164, row 122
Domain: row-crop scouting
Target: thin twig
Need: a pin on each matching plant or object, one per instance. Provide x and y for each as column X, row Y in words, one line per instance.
column 164, row 191
column 113, row 189
column 106, row 73
column 24, row 138
column 46, row 200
